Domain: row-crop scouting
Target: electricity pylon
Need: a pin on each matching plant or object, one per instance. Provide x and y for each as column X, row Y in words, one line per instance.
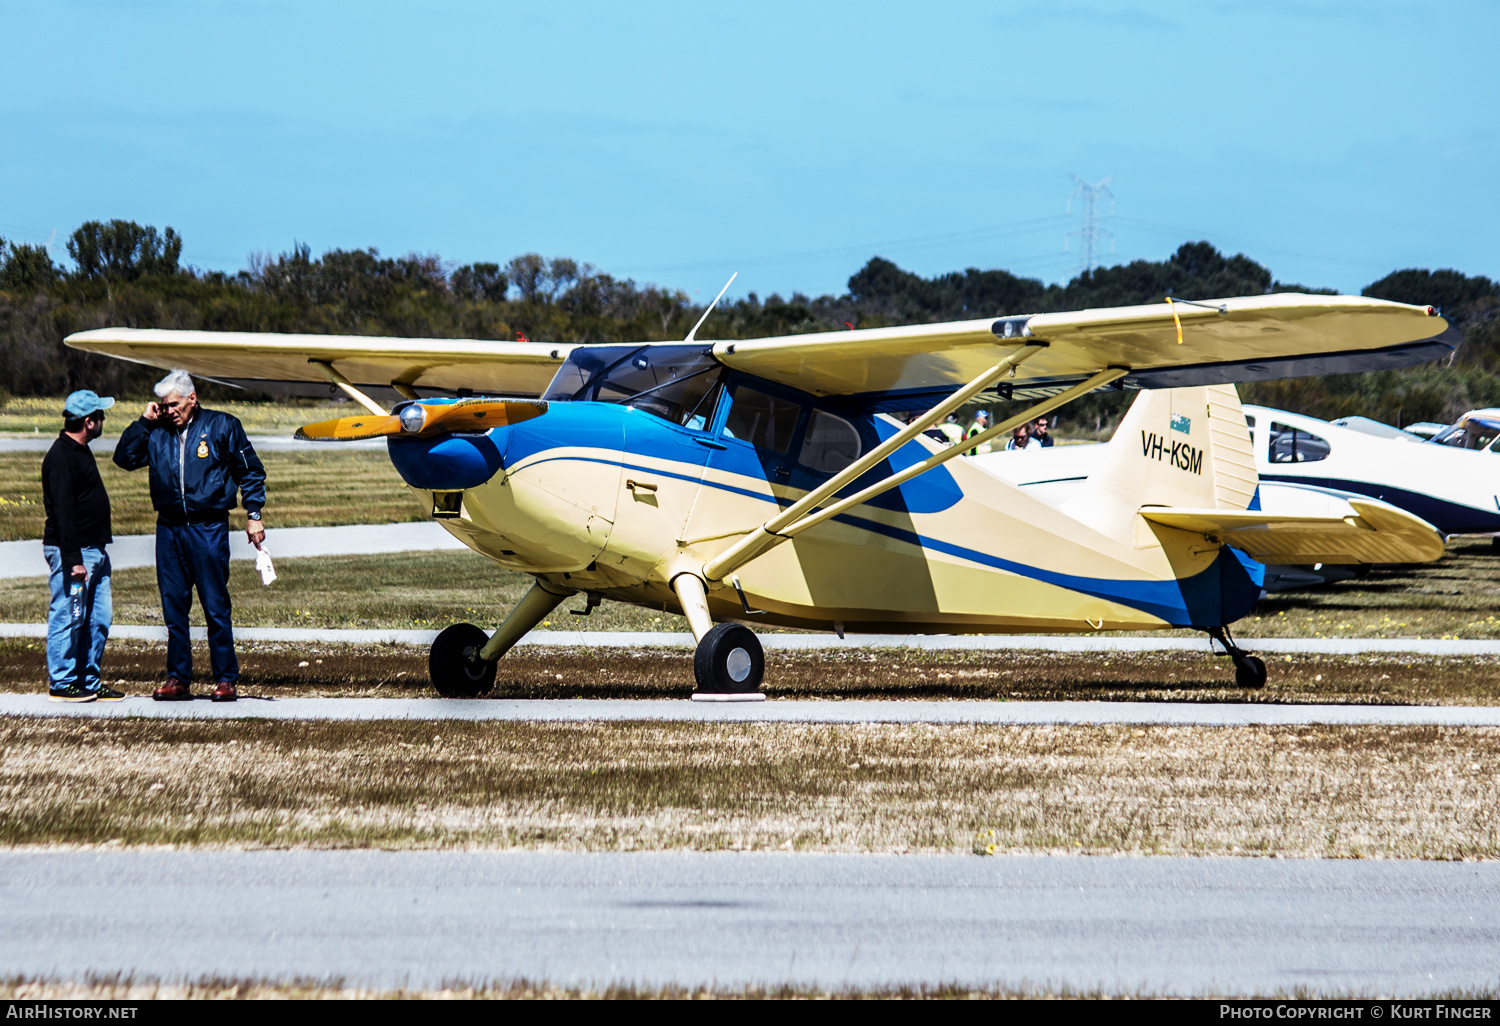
column 1090, row 236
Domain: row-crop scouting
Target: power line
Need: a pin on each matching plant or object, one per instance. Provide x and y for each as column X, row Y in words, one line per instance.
column 1180, row 232
column 967, row 235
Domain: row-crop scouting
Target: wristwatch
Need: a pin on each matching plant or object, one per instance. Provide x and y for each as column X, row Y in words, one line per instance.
column 253, row 516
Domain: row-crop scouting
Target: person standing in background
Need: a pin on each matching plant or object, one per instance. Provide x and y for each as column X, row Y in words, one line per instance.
column 74, row 539
column 1039, row 433
column 200, row 461
column 980, row 425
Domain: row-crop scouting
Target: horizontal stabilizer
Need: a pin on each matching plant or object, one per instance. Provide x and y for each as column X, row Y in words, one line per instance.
column 1374, row 532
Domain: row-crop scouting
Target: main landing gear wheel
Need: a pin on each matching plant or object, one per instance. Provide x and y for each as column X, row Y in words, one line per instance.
column 729, row 661
column 454, row 663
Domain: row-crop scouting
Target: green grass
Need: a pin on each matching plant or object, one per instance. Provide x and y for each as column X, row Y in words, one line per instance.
column 1329, row 792
column 304, row 488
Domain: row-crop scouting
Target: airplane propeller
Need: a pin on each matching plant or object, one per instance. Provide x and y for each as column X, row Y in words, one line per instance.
column 423, row 420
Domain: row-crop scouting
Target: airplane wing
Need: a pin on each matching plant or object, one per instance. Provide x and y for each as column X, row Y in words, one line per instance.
column 1376, row 533
column 285, row 363
column 1253, row 338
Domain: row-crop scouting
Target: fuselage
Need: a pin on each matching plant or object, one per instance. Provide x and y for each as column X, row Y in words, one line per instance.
column 638, row 473
column 1456, row 490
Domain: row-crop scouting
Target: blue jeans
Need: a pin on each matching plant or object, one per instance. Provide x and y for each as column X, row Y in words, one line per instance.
column 77, row 631
column 192, row 556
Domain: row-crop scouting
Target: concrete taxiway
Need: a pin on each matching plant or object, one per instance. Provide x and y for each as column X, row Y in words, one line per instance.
column 1124, row 925
column 1181, row 714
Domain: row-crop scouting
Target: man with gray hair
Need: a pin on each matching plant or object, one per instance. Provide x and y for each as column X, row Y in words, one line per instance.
column 202, row 465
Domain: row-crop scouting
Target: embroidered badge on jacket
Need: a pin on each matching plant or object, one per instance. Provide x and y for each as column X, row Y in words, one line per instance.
column 203, row 449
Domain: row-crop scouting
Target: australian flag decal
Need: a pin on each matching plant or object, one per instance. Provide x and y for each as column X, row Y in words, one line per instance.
column 1181, row 423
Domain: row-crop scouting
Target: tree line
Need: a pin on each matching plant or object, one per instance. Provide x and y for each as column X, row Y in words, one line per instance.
column 130, row 275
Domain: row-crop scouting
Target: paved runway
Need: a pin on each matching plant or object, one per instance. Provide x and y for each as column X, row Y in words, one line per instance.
column 1158, row 925
column 25, row 559
column 1204, row 714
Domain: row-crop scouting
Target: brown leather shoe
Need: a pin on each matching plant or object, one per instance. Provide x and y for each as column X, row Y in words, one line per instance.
column 224, row 692
column 173, row 690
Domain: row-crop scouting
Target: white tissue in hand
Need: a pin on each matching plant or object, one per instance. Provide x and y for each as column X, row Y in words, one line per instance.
column 264, row 567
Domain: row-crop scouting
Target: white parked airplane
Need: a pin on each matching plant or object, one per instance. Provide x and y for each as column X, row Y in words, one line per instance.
column 1452, row 482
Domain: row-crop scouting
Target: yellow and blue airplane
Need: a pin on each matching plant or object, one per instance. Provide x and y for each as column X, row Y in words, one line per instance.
column 766, row 481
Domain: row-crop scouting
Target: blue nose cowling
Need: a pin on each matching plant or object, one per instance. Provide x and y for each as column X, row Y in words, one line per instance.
column 447, row 462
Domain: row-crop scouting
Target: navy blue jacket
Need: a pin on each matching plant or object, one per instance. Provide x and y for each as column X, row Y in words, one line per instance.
column 196, row 482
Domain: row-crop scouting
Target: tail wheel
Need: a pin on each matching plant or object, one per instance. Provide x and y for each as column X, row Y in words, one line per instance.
column 729, row 661
column 1250, row 672
column 454, row 664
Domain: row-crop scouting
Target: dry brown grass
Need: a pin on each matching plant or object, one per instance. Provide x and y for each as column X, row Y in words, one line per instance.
column 1345, row 792
column 392, row 671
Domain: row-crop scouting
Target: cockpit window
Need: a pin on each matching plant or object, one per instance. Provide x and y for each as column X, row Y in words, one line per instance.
column 1469, row 433
column 1293, row 445
column 676, row 383
column 830, row 444
column 761, row 419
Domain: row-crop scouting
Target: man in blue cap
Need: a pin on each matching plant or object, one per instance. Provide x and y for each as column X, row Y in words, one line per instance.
column 77, row 531
column 202, row 466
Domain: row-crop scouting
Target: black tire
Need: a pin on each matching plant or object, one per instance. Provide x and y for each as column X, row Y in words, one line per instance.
column 729, row 661
column 454, row 664
column 1250, row 672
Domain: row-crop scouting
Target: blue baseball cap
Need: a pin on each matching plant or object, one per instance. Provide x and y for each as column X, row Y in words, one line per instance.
column 84, row 402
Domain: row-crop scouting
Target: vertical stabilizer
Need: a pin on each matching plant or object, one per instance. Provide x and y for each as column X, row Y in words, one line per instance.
column 1176, row 447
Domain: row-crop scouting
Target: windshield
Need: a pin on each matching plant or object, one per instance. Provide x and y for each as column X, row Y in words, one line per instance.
column 1469, row 433
column 676, row 383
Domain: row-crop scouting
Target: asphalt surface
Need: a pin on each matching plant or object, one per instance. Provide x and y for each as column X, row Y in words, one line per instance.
column 1149, row 925
column 25, row 559
column 1202, row 714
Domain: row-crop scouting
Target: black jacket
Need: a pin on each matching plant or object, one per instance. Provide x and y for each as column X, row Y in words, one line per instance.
column 195, row 479
column 75, row 500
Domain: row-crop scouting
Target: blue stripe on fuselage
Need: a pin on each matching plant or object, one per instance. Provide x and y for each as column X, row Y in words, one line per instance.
column 1448, row 517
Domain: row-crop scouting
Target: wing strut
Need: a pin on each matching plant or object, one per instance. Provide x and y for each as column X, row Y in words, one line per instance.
column 801, row 515
column 347, row 387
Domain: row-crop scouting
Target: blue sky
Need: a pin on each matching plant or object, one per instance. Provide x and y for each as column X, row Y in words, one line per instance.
column 676, row 142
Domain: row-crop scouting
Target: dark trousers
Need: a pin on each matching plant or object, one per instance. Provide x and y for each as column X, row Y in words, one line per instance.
column 192, row 556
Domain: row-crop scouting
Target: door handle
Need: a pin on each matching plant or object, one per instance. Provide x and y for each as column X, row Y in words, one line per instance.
column 644, row 486
column 707, row 444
